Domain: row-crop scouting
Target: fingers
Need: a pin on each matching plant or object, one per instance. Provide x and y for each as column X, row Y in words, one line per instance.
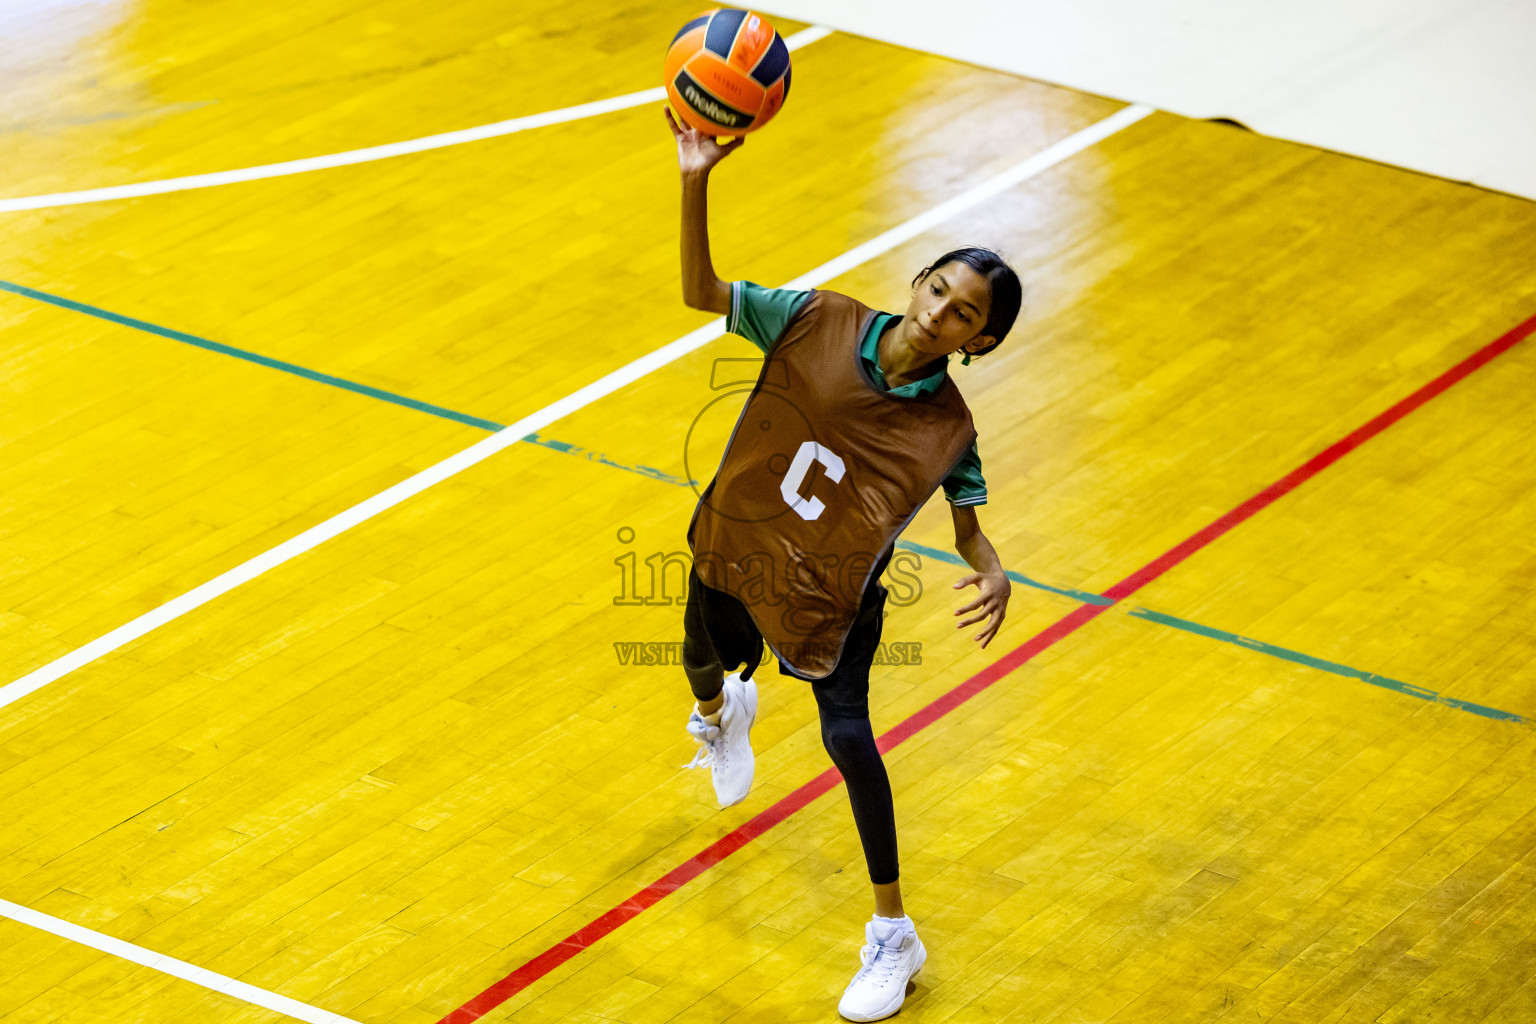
column 988, row 609
column 968, row 581
column 702, row 149
column 971, row 607
column 682, row 129
column 993, row 616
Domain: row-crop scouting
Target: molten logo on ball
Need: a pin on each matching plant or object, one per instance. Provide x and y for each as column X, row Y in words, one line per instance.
column 707, row 105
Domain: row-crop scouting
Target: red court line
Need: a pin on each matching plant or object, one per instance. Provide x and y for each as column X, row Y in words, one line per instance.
column 722, row 848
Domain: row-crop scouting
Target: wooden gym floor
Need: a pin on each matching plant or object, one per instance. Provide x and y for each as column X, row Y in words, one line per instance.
column 1287, row 778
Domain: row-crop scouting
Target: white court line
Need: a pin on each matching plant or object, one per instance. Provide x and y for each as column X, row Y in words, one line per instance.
column 504, row 438
column 511, row 434
column 170, row 965
column 362, row 156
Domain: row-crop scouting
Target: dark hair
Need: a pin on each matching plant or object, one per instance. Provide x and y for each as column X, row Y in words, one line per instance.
column 1007, row 292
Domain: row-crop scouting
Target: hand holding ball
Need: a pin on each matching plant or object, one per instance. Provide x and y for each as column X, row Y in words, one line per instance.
column 727, row 72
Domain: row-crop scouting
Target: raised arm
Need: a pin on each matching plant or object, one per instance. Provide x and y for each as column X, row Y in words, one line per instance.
column 697, row 155
column 992, row 603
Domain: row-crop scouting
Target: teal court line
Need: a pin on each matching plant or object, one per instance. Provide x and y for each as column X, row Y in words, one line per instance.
column 250, row 357
column 1326, row 666
column 1260, row 646
column 936, row 554
column 326, row 378
column 939, row 555
column 598, row 457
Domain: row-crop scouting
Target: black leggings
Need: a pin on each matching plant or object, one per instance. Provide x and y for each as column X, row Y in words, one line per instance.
column 851, row 744
column 718, row 634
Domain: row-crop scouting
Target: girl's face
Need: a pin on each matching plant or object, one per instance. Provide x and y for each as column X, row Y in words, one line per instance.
column 948, row 311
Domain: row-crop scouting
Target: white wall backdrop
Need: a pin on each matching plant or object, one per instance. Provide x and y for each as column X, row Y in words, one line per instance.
column 1442, row 86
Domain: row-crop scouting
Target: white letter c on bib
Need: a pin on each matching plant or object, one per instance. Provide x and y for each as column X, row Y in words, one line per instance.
column 810, row 451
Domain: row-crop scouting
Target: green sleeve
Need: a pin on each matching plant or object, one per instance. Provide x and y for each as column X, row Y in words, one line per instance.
column 965, row 485
column 760, row 314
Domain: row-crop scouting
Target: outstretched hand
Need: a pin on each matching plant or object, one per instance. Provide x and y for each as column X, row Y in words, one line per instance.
column 697, row 153
column 991, row 604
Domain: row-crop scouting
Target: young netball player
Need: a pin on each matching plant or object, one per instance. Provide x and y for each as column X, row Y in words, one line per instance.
column 853, row 424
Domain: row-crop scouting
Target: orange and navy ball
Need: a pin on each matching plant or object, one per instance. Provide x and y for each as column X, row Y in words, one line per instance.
column 727, row 72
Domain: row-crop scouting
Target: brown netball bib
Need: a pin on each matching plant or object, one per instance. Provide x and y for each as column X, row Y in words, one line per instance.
column 822, row 472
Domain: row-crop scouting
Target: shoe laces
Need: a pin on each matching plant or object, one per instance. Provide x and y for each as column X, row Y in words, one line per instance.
column 711, row 751
column 880, row 961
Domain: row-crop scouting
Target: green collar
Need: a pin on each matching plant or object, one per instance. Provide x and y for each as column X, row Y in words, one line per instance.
column 869, row 352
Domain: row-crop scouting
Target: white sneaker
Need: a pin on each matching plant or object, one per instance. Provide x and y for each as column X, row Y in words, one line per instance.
column 893, row 955
column 726, row 749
